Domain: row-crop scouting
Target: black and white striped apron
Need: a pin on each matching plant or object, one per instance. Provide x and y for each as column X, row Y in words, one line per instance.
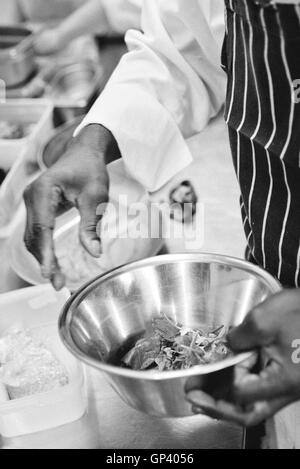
column 261, row 56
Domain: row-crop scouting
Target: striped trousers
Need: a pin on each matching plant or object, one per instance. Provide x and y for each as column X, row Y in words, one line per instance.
column 261, row 56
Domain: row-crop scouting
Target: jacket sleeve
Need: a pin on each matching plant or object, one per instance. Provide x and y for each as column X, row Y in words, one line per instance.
column 166, row 88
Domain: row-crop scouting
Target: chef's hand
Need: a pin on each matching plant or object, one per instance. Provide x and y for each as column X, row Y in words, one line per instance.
column 48, row 41
column 78, row 179
column 273, row 328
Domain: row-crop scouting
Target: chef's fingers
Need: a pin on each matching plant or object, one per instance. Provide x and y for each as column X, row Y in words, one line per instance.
column 263, row 324
column 42, row 200
column 205, row 403
column 243, row 369
column 258, row 413
column 91, row 204
column 201, row 402
column 253, row 416
column 251, row 334
column 271, row 383
column 50, row 267
column 218, row 410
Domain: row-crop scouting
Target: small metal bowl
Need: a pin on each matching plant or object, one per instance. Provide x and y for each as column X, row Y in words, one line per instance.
column 17, row 59
column 193, row 290
column 75, row 84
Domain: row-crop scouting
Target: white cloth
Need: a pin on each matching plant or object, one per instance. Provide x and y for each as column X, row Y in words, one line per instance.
column 166, row 89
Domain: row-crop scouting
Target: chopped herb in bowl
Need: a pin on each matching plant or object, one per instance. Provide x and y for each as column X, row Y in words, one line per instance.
column 168, row 347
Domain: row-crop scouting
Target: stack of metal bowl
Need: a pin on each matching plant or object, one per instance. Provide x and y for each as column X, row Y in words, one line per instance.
column 17, row 58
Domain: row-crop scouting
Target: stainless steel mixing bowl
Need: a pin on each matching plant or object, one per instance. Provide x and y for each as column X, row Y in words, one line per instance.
column 103, row 317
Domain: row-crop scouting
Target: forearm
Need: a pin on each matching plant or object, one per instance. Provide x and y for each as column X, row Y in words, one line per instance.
column 100, row 139
column 10, row 13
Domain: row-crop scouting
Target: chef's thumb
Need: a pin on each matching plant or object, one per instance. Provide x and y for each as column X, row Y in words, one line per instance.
column 252, row 334
column 91, row 206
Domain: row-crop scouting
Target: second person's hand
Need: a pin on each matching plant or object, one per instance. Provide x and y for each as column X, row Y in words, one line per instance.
column 48, row 41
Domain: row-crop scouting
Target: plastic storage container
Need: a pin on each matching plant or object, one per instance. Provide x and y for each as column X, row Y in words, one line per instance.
column 32, row 111
column 37, row 309
column 12, row 207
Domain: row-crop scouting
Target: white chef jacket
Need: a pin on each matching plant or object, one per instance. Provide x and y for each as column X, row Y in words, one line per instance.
column 166, row 89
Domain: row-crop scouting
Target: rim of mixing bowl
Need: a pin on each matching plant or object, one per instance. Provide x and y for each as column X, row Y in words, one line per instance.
column 149, row 375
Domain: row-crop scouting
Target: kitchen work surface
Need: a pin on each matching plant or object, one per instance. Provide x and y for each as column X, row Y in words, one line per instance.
column 110, row 423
